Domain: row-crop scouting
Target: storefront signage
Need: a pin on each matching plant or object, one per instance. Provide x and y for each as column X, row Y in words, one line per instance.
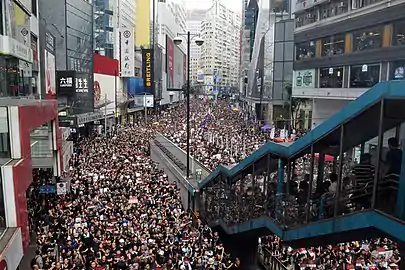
column 10, row 46
column 127, row 52
column 81, row 85
column 304, row 78
column 147, row 69
column 89, row 117
column 66, row 82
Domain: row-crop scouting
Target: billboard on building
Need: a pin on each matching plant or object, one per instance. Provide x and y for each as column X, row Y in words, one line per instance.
column 170, row 62
column 104, row 92
column 50, row 66
column 142, row 23
column 200, row 75
column 135, row 86
column 147, row 70
column 178, row 68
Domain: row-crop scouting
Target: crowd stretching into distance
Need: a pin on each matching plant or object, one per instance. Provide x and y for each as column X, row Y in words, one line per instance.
column 123, row 212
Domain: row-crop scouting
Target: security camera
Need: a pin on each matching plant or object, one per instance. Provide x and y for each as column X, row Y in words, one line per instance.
column 199, row 41
column 177, row 41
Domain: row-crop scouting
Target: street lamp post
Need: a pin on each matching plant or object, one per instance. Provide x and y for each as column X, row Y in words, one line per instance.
column 177, row 41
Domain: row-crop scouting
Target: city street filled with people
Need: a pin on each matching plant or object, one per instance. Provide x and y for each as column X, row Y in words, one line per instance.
column 123, row 212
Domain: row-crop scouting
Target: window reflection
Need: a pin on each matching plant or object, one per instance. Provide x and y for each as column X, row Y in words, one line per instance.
column 399, row 33
column 364, row 76
column 331, row 77
column 367, row 39
column 305, row 50
column 334, row 8
column 397, row 70
column 333, row 45
column 308, row 17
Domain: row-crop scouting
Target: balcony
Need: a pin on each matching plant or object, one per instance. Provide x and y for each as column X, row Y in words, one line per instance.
column 346, row 16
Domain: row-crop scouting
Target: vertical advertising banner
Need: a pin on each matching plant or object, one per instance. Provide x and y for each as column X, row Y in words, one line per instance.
column 84, row 101
column 50, row 66
column 147, row 69
column 127, row 52
column 170, row 62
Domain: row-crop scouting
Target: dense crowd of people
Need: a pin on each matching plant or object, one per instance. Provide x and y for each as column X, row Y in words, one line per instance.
column 122, row 212
column 371, row 254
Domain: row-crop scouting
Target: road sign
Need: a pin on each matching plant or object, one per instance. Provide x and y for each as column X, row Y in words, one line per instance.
column 47, row 189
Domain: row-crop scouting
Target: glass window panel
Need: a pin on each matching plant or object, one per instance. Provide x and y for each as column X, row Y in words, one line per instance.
column 278, row 71
column 279, row 32
column 397, row 70
column 289, row 51
column 278, row 90
column 331, row 77
column 278, row 51
column 305, row 50
column 399, row 33
column 368, row 39
column 288, row 70
column 364, row 76
column 333, row 45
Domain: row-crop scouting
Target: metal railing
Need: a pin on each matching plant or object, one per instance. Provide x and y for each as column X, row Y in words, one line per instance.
column 268, row 261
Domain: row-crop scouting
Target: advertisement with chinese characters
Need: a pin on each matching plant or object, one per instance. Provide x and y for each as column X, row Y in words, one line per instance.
column 169, row 61
column 127, row 52
column 147, row 70
column 84, row 95
column 65, row 83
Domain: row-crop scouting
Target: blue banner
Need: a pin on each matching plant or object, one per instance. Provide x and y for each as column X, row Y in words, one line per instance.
column 47, row 189
column 135, row 86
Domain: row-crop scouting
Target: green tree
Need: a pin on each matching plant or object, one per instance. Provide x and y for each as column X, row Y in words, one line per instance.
column 294, row 105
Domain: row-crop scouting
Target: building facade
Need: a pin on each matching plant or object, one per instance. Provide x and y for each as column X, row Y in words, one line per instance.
column 16, row 58
column 104, row 27
column 194, row 19
column 220, row 53
column 171, row 20
column 267, row 57
column 343, row 48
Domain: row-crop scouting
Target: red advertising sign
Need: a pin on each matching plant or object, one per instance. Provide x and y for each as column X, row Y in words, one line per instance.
column 170, row 60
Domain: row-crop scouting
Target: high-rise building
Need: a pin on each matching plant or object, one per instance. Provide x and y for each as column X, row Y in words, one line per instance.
column 267, row 57
column 171, row 20
column 194, row 20
column 220, row 52
column 345, row 47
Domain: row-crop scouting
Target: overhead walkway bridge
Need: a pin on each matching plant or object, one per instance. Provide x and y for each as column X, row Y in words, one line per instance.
column 259, row 195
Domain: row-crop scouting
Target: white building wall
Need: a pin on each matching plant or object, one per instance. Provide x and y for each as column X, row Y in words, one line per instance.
column 322, row 109
column 171, row 20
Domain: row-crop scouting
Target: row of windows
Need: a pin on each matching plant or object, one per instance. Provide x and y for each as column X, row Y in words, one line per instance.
column 359, row 76
column 361, row 40
column 330, row 9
